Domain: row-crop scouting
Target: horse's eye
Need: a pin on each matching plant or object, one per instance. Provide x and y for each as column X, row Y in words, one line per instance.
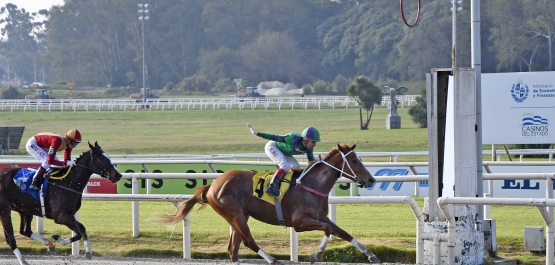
column 354, row 161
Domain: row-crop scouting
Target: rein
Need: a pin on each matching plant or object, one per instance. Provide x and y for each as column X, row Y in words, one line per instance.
column 90, row 167
column 354, row 177
column 65, row 188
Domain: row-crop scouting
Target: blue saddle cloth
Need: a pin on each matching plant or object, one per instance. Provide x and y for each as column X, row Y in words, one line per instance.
column 23, row 180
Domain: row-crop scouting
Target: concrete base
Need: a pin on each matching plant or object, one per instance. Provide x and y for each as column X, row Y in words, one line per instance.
column 469, row 244
column 393, row 122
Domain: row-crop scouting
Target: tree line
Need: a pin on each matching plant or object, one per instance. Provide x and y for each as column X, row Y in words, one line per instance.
column 203, row 45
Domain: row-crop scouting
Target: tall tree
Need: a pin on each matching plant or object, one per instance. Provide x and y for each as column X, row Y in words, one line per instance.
column 366, row 94
column 23, row 43
column 541, row 23
column 87, row 41
column 512, row 40
column 272, row 56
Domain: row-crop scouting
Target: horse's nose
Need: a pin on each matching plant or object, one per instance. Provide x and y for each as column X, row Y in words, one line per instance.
column 371, row 182
column 117, row 177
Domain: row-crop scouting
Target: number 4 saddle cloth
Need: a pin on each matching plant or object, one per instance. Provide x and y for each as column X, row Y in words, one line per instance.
column 260, row 183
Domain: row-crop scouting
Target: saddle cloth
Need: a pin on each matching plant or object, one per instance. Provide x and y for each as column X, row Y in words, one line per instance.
column 23, row 179
column 261, row 181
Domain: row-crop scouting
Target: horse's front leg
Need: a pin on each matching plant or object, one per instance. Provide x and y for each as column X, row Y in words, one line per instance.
column 80, row 232
column 335, row 230
column 315, row 257
column 25, row 229
column 326, row 225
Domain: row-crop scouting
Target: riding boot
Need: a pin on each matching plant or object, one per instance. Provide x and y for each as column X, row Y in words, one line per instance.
column 273, row 188
column 37, row 179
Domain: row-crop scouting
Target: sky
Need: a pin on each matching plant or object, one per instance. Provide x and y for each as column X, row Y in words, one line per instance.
column 32, row 5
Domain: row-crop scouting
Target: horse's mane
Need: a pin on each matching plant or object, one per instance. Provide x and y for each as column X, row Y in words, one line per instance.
column 335, row 150
column 93, row 149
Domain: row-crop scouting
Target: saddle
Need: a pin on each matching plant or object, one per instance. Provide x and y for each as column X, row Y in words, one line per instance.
column 260, row 182
column 24, row 177
column 23, row 180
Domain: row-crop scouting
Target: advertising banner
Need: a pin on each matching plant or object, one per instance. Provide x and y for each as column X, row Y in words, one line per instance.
column 396, row 188
column 188, row 186
column 518, row 108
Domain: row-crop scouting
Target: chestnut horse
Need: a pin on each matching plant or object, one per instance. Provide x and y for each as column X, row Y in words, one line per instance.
column 62, row 200
column 304, row 206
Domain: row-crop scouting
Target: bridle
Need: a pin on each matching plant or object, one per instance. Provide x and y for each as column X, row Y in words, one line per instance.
column 103, row 172
column 92, row 164
column 352, row 176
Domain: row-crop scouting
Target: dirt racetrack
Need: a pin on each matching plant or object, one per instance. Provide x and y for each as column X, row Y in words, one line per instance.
column 67, row 260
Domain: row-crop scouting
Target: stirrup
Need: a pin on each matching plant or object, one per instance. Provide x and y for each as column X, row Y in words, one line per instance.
column 35, row 188
column 274, row 191
column 36, row 184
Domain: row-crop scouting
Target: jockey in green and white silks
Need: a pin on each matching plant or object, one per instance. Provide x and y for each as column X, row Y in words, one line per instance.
column 281, row 149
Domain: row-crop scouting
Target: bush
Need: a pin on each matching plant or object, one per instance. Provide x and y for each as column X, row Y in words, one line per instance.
column 418, row 111
column 225, row 85
column 195, row 84
column 169, row 86
column 340, row 84
column 59, row 85
column 10, row 93
column 307, row 89
column 321, row 87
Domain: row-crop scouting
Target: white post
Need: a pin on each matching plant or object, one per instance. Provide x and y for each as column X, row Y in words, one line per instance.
column 135, row 206
column 187, row 238
column 40, row 225
column 294, row 242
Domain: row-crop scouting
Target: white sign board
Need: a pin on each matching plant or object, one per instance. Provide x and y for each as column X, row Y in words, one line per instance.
column 518, row 108
column 500, row 188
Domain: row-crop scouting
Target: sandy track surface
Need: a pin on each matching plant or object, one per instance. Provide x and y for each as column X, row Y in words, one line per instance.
column 67, row 260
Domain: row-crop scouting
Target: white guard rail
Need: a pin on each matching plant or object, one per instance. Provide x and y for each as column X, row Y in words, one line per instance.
column 293, row 235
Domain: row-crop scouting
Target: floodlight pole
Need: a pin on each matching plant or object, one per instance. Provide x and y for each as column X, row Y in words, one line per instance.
column 144, row 64
column 143, row 12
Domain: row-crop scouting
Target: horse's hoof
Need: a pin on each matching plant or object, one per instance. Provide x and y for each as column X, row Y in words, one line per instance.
column 276, row 262
column 373, row 259
column 88, row 255
column 56, row 237
column 313, row 258
column 51, row 250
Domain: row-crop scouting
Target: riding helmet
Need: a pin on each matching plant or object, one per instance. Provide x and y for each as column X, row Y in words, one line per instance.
column 73, row 135
column 310, row 133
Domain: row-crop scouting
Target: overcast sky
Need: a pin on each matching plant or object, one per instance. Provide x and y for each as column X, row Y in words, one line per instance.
column 32, row 5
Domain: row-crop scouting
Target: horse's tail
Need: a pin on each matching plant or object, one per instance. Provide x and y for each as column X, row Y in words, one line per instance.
column 186, row 206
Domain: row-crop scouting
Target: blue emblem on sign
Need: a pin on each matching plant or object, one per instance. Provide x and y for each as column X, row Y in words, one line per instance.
column 534, row 120
column 519, row 92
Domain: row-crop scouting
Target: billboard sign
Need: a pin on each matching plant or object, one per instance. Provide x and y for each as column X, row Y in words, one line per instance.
column 518, row 108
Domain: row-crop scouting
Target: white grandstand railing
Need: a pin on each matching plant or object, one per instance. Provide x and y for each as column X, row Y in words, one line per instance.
column 177, row 104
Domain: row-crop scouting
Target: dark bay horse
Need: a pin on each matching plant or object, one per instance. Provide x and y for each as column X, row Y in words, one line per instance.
column 62, row 200
column 304, row 206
